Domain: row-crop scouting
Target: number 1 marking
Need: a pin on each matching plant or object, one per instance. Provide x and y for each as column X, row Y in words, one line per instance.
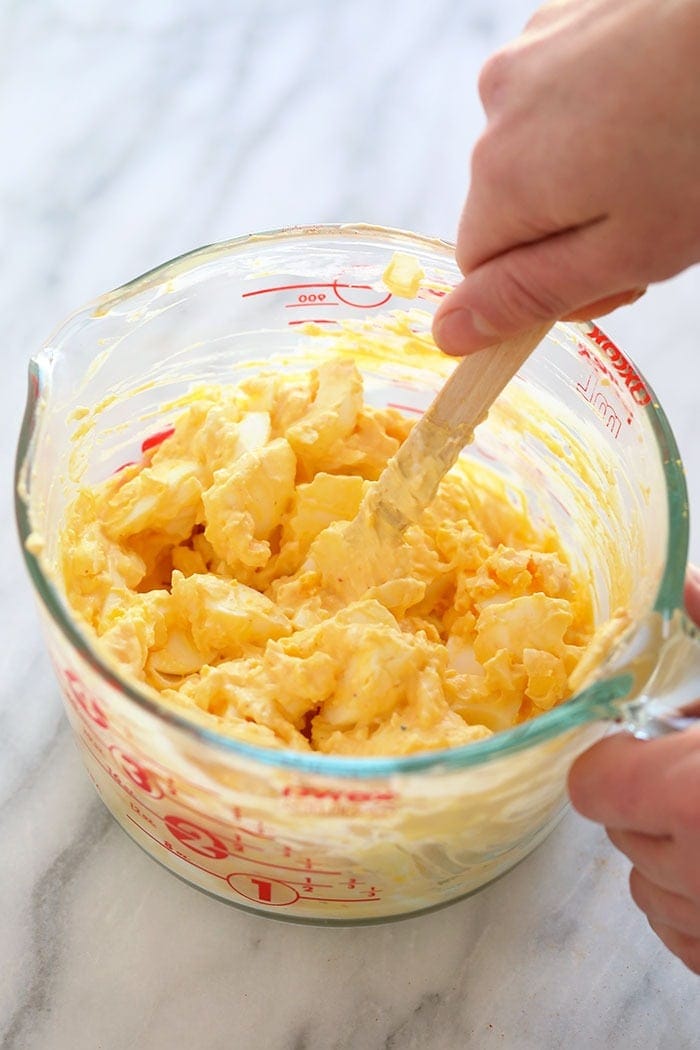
column 264, row 890
column 261, row 890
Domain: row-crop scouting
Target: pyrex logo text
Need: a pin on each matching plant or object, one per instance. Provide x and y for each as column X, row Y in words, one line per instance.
column 619, row 362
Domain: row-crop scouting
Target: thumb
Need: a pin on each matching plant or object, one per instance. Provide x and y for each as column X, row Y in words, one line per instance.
column 565, row 275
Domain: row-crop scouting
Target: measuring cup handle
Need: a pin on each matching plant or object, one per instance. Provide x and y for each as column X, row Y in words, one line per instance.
column 670, row 699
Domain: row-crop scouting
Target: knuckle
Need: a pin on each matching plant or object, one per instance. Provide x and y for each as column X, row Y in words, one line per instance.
column 480, row 154
column 490, row 170
column 541, row 17
column 494, row 76
column 494, row 178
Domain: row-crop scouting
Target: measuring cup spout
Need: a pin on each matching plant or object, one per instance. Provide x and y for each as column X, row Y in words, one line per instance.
column 664, row 659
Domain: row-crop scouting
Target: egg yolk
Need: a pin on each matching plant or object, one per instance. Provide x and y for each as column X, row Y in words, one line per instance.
column 208, row 575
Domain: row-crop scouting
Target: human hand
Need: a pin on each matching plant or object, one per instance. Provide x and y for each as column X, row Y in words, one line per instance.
column 647, row 794
column 584, row 184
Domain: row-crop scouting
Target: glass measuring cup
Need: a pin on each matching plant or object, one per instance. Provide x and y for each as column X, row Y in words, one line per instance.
column 313, row 837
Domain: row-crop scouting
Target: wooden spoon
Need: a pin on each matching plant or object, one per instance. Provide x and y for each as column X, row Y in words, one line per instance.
column 410, row 479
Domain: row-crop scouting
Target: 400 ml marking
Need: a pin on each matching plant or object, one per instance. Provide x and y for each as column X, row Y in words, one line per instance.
column 324, row 294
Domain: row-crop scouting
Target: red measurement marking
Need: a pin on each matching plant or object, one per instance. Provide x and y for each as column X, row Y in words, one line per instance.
column 352, row 302
column 139, row 774
column 306, row 298
column 88, row 734
column 621, row 365
column 337, row 794
column 289, row 867
column 220, row 838
column 166, row 775
column 309, row 885
column 314, row 320
column 116, row 778
column 346, row 900
column 405, row 408
column 196, row 838
column 134, row 806
column 595, row 397
column 290, row 288
column 262, row 890
column 89, row 743
column 368, row 304
column 233, row 829
column 222, row 823
column 484, row 454
column 168, row 847
column 156, row 439
column 237, row 846
column 258, row 888
column 257, row 834
column 562, row 505
column 81, row 699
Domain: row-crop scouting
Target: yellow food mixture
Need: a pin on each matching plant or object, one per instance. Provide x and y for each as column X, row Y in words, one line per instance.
column 213, row 573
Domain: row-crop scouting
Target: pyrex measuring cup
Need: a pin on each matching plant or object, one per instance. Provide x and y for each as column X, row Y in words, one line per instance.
column 578, row 436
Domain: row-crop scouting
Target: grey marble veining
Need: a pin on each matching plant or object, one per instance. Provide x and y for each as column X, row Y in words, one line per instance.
column 130, row 134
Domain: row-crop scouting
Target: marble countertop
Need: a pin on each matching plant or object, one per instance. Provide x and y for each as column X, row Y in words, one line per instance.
column 132, row 133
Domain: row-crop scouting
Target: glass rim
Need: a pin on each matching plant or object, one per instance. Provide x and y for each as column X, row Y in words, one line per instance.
column 597, row 701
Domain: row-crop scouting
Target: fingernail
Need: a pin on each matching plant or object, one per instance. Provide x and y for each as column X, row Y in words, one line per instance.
column 460, row 331
column 635, row 295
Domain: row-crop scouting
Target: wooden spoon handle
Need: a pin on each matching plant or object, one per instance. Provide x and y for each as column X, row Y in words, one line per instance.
column 411, row 477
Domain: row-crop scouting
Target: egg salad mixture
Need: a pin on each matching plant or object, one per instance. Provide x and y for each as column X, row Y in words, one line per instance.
column 209, row 574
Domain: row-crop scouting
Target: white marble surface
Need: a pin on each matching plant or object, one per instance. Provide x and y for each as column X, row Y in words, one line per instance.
column 130, row 133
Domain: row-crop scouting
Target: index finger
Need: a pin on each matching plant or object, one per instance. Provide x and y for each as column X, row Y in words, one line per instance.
column 652, row 786
column 496, row 216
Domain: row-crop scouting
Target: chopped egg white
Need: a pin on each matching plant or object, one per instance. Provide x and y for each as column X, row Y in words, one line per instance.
column 209, row 574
